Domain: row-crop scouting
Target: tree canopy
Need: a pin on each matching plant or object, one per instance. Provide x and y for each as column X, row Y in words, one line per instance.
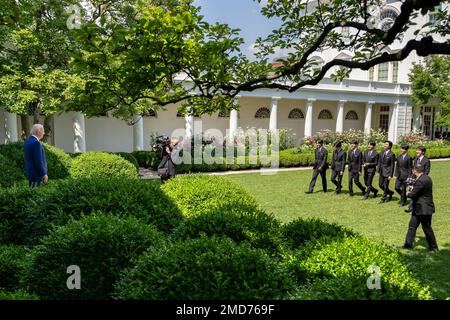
column 137, row 55
column 432, row 81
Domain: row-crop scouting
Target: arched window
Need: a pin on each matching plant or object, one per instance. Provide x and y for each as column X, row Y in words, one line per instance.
column 296, row 114
column 325, row 115
column 262, row 113
column 150, row 113
column 387, row 18
column 351, row 115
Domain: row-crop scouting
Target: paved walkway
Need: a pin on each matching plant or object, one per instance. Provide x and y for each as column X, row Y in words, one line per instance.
column 151, row 174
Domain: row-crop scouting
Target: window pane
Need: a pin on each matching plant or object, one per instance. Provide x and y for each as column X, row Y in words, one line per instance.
column 383, row 71
column 395, row 71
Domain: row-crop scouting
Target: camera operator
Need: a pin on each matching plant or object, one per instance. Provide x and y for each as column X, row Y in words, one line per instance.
column 164, row 149
column 423, row 209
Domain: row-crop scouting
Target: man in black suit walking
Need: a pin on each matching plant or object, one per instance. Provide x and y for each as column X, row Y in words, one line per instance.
column 423, row 209
column 370, row 162
column 338, row 166
column 422, row 161
column 354, row 168
column 320, row 167
column 402, row 173
column 386, row 168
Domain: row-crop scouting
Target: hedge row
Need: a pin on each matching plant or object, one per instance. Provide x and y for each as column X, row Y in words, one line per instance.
column 26, row 215
column 225, row 247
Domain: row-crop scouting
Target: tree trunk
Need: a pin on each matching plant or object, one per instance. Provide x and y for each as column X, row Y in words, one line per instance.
column 24, row 120
column 48, row 127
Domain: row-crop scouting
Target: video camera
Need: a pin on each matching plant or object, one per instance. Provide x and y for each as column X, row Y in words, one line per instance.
column 160, row 145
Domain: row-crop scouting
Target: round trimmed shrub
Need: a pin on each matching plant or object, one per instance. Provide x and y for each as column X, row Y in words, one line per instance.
column 10, row 174
column 339, row 270
column 199, row 194
column 102, row 164
column 296, row 233
column 239, row 224
column 100, row 245
column 130, row 158
column 27, row 214
column 13, row 263
column 58, row 161
column 205, row 268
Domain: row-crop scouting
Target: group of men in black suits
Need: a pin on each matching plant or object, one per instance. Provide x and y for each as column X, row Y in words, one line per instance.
column 411, row 179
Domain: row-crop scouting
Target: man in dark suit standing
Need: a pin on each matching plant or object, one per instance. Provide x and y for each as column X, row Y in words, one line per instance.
column 386, row 168
column 338, row 166
column 354, row 168
column 402, row 173
column 320, row 167
column 423, row 162
column 423, row 209
column 370, row 162
column 35, row 160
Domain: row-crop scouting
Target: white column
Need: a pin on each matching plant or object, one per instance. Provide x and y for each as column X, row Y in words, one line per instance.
column 138, row 133
column 79, row 143
column 234, row 119
column 11, row 134
column 392, row 135
column 416, row 118
column 273, row 123
column 309, row 117
column 368, row 117
column 340, row 116
column 233, row 122
column 189, row 119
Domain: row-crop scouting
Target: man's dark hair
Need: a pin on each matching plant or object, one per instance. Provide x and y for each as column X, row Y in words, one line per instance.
column 338, row 144
column 422, row 148
column 390, row 143
column 372, row 143
column 320, row 142
column 418, row 168
column 404, row 147
column 355, row 142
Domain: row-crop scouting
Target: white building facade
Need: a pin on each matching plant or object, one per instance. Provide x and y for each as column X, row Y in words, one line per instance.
column 376, row 99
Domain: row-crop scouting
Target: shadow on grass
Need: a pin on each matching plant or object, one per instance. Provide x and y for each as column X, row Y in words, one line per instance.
column 430, row 268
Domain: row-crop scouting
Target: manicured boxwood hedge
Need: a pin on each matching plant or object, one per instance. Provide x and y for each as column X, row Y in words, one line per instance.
column 146, row 159
column 10, row 174
column 199, row 194
column 102, row 164
column 339, row 270
column 130, row 158
column 301, row 231
column 27, row 214
column 238, row 223
column 13, row 263
column 205, row 269
column 17, row 295
column 101, row 245
column 58, row 161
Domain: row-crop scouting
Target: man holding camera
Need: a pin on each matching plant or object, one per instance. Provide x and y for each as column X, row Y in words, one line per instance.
column 422, row 161
column 423, row 209
column 164, row 148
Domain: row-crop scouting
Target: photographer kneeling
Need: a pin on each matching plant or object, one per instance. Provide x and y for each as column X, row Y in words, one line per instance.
column 164, row 148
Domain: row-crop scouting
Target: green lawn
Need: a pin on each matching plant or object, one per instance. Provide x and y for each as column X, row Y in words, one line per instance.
column 283, row 194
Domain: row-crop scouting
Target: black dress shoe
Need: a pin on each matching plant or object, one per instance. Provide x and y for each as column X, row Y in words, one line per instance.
column 407, row 247
column 390, row 198
column 408, row 210
column 351, row 194
column 375, row 194
column 308, row 192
